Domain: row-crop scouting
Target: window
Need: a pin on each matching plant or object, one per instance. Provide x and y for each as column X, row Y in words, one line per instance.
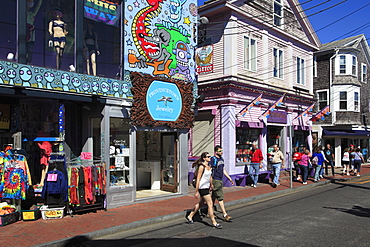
column 322, row 97
column 342, row 64
column 278, row 13
column 342, row 100
column 363, row 73
column 300, row 71
column 278, row 63
column 250, row 54
column 354, row 65
column 314, row 67
column 355, row 103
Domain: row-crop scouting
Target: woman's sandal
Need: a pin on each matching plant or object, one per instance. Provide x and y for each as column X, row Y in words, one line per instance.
column 188, row 220
column 218, row 226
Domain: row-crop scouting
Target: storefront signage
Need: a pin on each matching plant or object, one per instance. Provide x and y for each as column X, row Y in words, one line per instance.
column 86, row 155
column 204, row 59
column 159, row 101
column 277, row 117
column 164, row 101
column 102, row 11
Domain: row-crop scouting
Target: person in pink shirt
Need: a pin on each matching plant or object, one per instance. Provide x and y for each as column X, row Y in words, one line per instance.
column 304, row 165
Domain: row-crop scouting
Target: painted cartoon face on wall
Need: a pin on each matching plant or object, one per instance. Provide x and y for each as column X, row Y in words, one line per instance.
column 49, row 77
column 11, row 73
column 25, row 74
column 125, row 88
column 76, row 82
column 115, row 86
column 105, row 87
column 85, row 87
column 1, row 69
column 65, row 78
column 95, row 86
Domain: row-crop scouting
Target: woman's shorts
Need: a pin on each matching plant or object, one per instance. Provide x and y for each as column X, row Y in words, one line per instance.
column 203, row 192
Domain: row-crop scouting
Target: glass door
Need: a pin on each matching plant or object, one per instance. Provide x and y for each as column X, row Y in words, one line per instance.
column 169, row 164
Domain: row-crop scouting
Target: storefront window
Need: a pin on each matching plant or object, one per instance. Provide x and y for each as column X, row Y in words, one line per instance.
column 244, row 139
column 8, row 29
column 119, row 152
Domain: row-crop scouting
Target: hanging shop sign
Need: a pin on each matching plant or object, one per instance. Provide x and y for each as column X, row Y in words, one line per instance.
column 102, row 11
column 204, row 59
column 159, row 101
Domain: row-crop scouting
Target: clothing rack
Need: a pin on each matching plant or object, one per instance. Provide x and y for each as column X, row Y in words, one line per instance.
column 100, row 199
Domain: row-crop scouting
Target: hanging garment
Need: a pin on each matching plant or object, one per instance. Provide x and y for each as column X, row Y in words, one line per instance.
column 55, row 184
column 15, row 184
column 73, row 187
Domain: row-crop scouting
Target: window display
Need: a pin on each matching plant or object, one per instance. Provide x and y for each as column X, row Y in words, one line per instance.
column 244, row 139
column 119, row 152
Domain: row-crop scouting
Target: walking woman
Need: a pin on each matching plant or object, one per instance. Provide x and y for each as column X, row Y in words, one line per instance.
column 320, row 160
column 304, row 165
column 345, row 162
column 203, row 187
column 357, row 160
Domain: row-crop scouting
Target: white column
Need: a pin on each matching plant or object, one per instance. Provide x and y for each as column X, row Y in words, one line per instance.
column 230, row 50
column 337, row 152
column 228, row 136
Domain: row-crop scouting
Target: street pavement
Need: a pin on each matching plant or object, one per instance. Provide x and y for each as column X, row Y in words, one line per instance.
column 101, row 223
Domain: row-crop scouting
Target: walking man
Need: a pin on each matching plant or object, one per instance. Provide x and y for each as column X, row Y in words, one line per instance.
column 256, row 163
column 329, row 156
column 218, row 172
column 277, row 163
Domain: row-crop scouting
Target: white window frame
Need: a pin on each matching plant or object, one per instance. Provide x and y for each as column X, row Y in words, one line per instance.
column 342, row 64
column 278, row 63
column 354, row 66
column 363, row 73
column 319, row 101
column 356, row 102
column 278, row 14
column 301, row 72
column 250, row 54
column 343, row 100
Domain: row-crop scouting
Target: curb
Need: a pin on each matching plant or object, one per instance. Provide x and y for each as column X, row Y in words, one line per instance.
column 129, row 226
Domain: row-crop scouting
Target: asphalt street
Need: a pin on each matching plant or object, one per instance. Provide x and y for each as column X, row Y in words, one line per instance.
column 336, row 214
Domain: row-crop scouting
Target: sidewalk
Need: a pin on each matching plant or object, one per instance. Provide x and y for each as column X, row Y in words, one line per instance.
column 93, row 225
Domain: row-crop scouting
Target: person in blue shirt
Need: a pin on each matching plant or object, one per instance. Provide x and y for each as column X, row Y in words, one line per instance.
column 320, row 160
column 218, row 173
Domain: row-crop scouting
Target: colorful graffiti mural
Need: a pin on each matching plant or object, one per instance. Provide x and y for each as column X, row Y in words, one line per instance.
column 50, row 79
column 159, row 38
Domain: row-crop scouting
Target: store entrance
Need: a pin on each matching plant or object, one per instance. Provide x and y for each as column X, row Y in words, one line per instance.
column 156, row 169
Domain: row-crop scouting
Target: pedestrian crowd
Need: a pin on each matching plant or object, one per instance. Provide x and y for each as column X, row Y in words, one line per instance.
column 210, row 170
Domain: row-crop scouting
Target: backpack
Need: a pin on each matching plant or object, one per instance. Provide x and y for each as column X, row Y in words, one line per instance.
column 315, row 161
column 194, row 182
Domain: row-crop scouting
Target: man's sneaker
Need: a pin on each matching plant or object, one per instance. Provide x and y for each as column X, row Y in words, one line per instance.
column 227, row 218
column 321, row 176
column 298, row 178
column 304, row 182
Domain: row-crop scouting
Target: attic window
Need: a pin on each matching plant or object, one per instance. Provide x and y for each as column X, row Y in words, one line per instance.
column 278, row 13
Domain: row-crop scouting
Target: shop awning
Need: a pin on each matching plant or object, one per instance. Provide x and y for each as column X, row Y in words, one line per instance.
column 346, row 133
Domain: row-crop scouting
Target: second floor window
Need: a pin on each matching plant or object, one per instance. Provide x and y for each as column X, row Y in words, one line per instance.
column 300, row 71
column 278, row 13
column 322, row 97
column 278, row 63
column 354, row 65
column 342, row 64
column 342, row 100
column 355, row 103
column 250, row 54
column 363, row 73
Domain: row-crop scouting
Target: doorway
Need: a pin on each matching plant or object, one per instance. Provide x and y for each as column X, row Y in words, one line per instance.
column 169, row 164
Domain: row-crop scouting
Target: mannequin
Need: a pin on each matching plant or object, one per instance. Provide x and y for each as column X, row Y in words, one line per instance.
column 58, row 32
column 30, row 28
column 91, row 48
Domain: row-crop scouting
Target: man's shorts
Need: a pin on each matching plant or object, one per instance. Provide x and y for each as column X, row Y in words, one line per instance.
column 217, row 190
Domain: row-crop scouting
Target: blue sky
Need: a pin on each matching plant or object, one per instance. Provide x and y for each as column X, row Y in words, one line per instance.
column 325, row 12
